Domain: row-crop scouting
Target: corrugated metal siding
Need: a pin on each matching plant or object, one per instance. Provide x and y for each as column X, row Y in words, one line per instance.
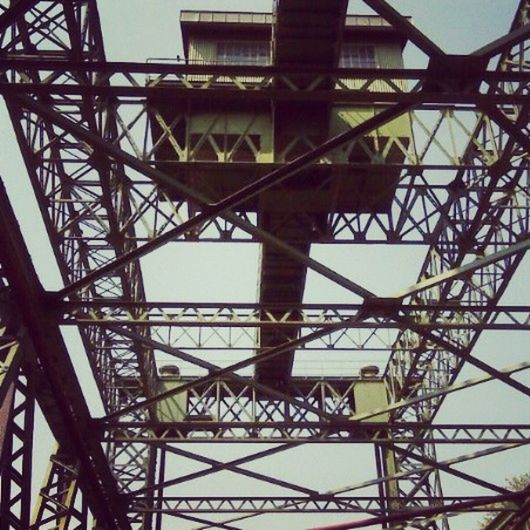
column 342, row 118
column 202, row 52
column 390, row 56
column 399, row 131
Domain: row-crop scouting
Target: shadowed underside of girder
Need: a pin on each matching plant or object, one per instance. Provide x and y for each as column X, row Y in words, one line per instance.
column 305, row 33
column 308, row 32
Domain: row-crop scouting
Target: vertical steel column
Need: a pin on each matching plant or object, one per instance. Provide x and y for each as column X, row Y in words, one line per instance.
column 56, row 503
column 16, row 456
column 17, row 404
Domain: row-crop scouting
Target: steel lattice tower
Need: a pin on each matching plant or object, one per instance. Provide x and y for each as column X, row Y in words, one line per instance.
column 113, row 162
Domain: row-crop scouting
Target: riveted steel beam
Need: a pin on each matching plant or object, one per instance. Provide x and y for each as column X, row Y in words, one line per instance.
column 55, row 363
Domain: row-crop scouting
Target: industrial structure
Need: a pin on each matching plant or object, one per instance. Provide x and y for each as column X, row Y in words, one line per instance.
column 293, row 129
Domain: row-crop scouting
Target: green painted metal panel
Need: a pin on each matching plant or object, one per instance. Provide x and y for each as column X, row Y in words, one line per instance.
column 224, row 136
column 230, row 135
column 369, row 396
column 387, row 142
column 173, row 408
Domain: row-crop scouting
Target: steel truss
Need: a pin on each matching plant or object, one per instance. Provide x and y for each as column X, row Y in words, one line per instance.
column 84, row 128
column 19, row 378
column 17, row 452
column 284, row 504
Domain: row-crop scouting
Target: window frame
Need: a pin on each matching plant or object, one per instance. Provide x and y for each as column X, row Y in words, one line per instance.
column 253, row 53
column 358, row 56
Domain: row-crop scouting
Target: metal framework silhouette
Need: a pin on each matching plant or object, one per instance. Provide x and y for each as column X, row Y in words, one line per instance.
column 84, row 127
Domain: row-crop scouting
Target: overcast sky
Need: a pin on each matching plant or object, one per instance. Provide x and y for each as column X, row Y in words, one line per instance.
column 135, row 30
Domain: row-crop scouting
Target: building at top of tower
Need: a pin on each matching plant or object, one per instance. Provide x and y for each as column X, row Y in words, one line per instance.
column 266, row 112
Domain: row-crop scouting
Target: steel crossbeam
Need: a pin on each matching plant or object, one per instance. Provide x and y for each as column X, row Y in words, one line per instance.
column 58, row 391
column 318, row 504
column 359, row 486
column 467, row 238
column 126, row 80
column 108, row 198
column 308, row 315
column 315, row 432
column 57, row 498
column 234, row 327
column 427, row 512
column 71, row 30
column 237, row 399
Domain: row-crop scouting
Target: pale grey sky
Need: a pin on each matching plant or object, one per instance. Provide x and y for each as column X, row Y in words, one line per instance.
column 135, row 30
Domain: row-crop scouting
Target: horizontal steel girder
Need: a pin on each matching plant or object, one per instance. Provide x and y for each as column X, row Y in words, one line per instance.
column 314, row 432
column 424, row 44
column 289, row 504
column 344, row 97
column 252, row 316
column 231, row 82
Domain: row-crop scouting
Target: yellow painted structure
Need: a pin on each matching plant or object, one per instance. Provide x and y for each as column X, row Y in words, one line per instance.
column 252, row 134
column 173, row 408
column 218, row 146
column 369, row 395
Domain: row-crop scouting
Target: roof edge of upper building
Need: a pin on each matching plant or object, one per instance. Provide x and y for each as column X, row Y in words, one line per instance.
column 189, row 16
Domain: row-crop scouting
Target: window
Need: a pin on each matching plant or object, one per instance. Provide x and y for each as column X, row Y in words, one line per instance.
column 255, row 53
column 354, row 56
